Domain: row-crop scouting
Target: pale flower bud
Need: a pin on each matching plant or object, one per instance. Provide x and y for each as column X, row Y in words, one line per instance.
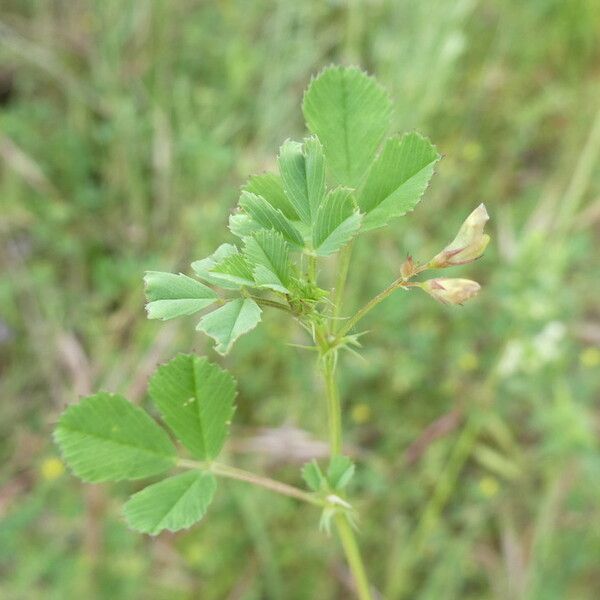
column 468, row 245
column 451, row 291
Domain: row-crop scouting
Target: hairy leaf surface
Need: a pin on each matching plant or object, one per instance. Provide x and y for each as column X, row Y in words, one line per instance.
column 268, row 252
column 170, row 295
column 313, row 476
column 340, row 471
column 270, row 187
column 350, row 114
column 173, row 504
column 397, row 179
column 302, row 168
column 106, row 438
column 234, row 269
column 336, row 223
column 195, row 399
column 270, row 218
column 226, row 324
column 203, row 267
column 242, row 225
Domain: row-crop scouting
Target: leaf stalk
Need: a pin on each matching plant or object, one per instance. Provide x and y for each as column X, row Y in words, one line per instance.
column 230, row 472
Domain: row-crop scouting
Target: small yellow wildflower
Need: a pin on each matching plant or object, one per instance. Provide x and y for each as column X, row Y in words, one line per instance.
column 590, row 357
column 51, row 468
column 489, row 486
column 468, row 361
column 472, row 151
column 361, row 413
column 194, row 554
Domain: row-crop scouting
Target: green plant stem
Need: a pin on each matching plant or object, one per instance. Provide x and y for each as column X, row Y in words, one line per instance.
column 272, row 303
column 311, row 268
column 353, row 557
column 340, row 284
column 371, row 304
column 328, row 361
column 259, row 480
column 334, row 409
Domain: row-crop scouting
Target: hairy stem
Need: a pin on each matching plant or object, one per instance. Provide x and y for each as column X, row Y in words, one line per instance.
column 259, row 480
column 353, row 557
column 334, row 409
column 311, row 268
column 340, row 284
column 371, row 304
column 328, row 362
column 271, row 303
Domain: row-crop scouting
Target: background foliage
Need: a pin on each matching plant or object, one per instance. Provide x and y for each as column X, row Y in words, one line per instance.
column 126, row 129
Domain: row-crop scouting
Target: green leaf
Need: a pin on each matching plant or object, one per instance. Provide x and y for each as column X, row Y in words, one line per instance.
column 340, row 472
column 203, row 267
column 106, row 438
column 195, row 399
column 174, row 503
column 268, row 252
column 293, row 175
column 171, row 295
column 270, row 187
column 226, row 324
column 315, row 173
column 312, row 474
column 350, row 113
column 336, row 223
column 302, row 169
column 241, row 225
column 397, row 179
column 235, row 270
column 270, row 218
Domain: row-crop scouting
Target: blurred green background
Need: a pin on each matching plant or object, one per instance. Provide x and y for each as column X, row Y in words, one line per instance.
column 126, row 129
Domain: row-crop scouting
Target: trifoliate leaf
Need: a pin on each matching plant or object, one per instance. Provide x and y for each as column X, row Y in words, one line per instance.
column 340, row 472
column 397, row 179
column 226, row 324
column 350, row 114
column 270, row 187
column 302, row 168
column 270, row 218
column 174, row 503
column 195, row 399
column 235, row 270
column 203, row 267
column 268, row 252
column 313, row 476
column 171, row 295
column 336, row 223
column 106, row 438
column 241, row 225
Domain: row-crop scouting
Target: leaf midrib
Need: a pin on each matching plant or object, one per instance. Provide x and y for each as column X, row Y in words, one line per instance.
column 115, row 442
column 272, row 267
column 160, row 525
column 234, row 322
column 345, row 123
column 395, row 190
column 198, row 410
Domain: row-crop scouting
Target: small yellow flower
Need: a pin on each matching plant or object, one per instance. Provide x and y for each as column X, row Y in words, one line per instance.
column 472, row 151
column 590, row 357
column 361, row 413
column 468, row 361
column 194, row 554
column 489, row 486
column 51, row 468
